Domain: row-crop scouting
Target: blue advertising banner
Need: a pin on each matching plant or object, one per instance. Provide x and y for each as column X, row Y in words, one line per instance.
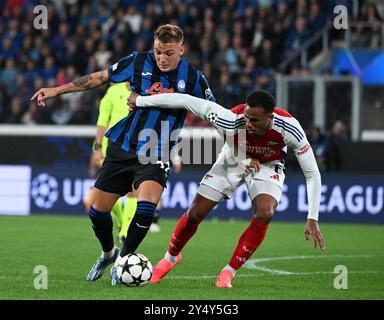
column 354, row 199
column 59, row 190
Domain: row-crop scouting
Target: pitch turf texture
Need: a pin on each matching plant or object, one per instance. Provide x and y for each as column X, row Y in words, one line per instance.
column 287, row 267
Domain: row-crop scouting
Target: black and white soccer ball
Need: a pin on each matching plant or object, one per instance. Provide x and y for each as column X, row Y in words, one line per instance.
column 134, row 270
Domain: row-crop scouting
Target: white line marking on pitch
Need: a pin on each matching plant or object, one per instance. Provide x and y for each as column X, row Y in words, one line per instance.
column 251, row 264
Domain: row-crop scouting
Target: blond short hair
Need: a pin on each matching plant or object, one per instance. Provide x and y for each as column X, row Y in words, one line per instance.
column 169, row 33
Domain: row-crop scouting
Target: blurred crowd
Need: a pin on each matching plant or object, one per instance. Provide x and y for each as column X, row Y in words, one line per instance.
column 238, row 44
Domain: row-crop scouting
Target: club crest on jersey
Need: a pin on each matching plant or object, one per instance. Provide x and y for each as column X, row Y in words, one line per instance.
column 157, row 88
column 181, row 85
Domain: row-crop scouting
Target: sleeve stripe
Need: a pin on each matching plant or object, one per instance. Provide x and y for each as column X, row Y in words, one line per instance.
column 231, row 121
column 293, row 128
column 232, row 125
column 289, row 130
column 229, row 126
column 225, row 126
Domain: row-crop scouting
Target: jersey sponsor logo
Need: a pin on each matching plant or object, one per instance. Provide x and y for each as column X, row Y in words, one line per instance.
column 266, row 151
column 146, row 74
column 181, row 85
column 272, row 143
column 303, row 150
column 157, row 88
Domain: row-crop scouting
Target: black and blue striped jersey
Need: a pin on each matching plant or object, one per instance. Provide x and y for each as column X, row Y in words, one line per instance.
column 152, row 126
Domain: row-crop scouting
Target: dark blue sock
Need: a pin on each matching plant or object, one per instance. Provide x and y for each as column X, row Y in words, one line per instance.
column 139, row 226
column 156, row 217
column 103, row 227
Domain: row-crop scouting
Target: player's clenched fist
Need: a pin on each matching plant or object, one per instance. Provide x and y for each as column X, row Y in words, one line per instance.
column 131, row 101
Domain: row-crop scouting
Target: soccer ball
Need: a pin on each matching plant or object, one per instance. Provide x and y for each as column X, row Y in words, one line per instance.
column 134, row 270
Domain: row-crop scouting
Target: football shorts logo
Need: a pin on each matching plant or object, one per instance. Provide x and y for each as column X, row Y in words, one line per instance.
column 212, row 118
column 44, row 191
column 181, row 85
column 276, row 177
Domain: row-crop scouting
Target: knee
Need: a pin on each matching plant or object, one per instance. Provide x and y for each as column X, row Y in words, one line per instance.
column 264, row 214
column 197, row 213
column 195, row 216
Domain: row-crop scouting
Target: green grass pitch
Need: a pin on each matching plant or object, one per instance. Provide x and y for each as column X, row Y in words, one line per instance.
column 284, row 267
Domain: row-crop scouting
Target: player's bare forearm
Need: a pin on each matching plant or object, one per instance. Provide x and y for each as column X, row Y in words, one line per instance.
column 99, row 134
column 89, row 81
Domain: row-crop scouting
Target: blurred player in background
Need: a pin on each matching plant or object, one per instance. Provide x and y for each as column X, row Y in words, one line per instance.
column 126, row 162
column 113, row 108
column 269, row 131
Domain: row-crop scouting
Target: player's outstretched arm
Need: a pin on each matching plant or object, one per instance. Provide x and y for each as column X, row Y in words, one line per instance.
column 214, row 113
column 296, row 139
column 86, row 82
column 311, row 172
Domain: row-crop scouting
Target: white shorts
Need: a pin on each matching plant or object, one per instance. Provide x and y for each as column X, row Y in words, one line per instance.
column 222, row 180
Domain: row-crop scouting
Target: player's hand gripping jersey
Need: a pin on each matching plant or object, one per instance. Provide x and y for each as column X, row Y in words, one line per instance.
column 270, row 148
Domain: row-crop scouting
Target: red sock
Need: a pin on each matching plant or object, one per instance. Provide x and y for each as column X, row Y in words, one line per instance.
column 184, row 231
column 249, row 241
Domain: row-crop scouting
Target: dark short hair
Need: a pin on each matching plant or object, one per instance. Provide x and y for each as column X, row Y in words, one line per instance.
column 261, row 99
column 169, row 33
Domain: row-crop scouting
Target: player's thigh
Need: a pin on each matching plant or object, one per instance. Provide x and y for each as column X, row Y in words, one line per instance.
column 149, row 190
column 133, row 193
column 201, row 206
column 150, row 181
column 264, row 207
column 268, row 180
column 115, row 177
column 257, row 187
column 221, row 181
column 265, row 197
column 101, row 200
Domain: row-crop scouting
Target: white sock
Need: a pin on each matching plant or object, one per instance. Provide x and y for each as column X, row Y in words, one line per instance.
column 109, row 254
column 170, row 258
column 228, row 267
